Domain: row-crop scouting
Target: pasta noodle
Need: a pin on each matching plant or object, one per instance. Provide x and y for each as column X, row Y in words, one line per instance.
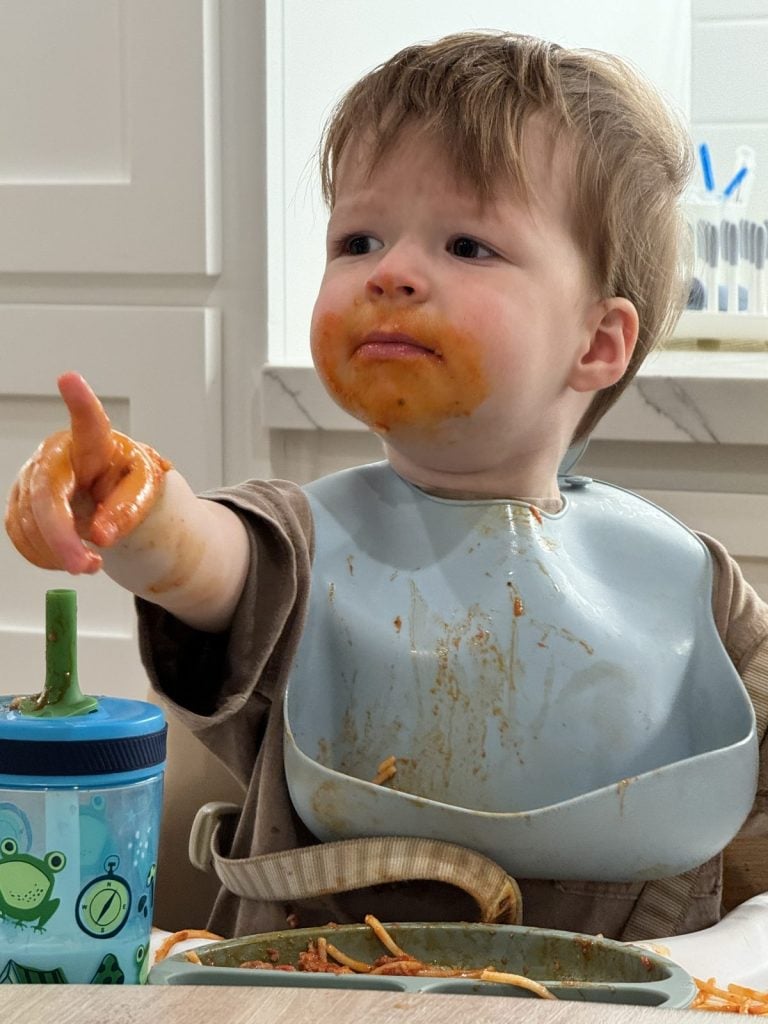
column 346, row 961
column 734, row 999
column 517, row 979
column 386, row 770
column 167, row 944
column 383, row 936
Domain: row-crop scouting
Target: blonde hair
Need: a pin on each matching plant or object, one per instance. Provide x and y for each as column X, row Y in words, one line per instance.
column 475, row 93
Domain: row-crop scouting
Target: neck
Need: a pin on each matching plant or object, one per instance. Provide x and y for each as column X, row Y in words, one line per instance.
column 530, row 479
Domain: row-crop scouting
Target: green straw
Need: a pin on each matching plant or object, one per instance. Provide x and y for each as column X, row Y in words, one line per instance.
column 61, row 696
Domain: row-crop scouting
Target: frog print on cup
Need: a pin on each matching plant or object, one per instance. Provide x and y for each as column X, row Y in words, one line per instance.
column 143, row 963
column 26, row 885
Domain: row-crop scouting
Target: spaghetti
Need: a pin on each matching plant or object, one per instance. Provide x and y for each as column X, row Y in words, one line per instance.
column 733, row 999
column 322, row 956
column 168, row 943
column 386, row 771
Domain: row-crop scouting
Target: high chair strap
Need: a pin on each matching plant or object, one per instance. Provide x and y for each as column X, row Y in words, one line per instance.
column 327, row 868
column 660, row 907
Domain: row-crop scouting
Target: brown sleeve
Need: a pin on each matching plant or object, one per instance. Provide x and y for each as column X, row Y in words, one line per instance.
column 222, row 686
column 740, row 614
column 742, row 621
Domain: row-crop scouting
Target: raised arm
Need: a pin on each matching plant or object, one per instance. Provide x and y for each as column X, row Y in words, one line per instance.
column 90, row 497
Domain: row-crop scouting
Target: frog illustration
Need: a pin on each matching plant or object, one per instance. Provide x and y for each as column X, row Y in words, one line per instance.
column 143, row 962
column 26, row 884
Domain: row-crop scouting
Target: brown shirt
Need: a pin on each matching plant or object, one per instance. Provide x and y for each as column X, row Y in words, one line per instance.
column 227, row 688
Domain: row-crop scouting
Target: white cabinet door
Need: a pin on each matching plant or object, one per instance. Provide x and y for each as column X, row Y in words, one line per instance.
column 157, row 371
column 110, row 136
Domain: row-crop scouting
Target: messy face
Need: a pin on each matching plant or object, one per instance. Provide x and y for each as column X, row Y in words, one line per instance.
column 443, row 322
column 398, row 370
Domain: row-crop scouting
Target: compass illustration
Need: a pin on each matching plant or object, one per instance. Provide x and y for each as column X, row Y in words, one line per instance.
column 104, row 903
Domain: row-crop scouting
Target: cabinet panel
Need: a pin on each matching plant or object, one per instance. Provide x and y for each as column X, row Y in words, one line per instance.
column 158, row 372
column 110, row 123
column 61, row 118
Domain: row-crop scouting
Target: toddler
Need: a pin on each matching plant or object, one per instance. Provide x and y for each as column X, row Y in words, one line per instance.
column 504, row 249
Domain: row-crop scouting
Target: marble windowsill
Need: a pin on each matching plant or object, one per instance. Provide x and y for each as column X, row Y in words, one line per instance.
column 708, row 397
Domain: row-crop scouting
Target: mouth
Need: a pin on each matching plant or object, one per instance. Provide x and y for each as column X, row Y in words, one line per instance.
column 393, row 345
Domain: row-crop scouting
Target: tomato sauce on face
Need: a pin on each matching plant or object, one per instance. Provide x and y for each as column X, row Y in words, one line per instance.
column 399, row 385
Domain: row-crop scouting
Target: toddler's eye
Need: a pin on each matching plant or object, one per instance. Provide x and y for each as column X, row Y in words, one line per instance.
column 468, row 249
column 360, row 245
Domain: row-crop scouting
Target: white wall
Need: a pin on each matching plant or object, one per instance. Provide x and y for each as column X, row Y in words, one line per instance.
column 729, row 91
column 301, row 89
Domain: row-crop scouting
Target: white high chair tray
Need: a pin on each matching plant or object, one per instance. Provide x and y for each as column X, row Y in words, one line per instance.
column 733, row 951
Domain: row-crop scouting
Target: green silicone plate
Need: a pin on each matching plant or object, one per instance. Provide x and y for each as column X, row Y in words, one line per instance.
column 572, row 966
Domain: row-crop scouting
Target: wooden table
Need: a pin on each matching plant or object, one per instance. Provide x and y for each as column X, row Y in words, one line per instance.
column 182, row 1004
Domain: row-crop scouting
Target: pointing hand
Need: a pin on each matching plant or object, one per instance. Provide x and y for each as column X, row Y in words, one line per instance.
column 89, row 483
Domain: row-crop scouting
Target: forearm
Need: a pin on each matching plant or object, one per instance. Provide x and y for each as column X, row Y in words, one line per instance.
column 189, row 556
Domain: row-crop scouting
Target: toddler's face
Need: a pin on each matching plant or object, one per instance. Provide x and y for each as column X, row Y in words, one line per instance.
column 443, row 323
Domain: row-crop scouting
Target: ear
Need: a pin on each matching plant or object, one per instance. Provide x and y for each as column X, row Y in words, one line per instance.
column 611, row 342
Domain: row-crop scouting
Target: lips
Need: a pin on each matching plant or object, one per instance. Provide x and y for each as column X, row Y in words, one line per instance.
column 380, row 344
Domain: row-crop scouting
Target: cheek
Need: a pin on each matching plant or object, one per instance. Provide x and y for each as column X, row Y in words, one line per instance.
column 322, row 308
column 418, row 391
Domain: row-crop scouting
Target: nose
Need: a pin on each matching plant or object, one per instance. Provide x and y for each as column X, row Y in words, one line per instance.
column 398, row 277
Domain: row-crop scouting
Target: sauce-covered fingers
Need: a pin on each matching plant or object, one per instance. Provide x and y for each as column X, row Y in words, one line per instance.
column 55, row 508
column 133, row 487
column 51, row 483
column 93, row 443
column 22, row 529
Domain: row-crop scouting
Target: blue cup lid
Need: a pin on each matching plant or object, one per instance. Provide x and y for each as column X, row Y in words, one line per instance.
column 118, row 736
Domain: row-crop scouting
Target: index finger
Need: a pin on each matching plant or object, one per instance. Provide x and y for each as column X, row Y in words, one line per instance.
column 93, row 445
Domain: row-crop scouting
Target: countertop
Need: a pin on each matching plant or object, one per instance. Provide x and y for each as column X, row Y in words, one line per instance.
column 94, row 1004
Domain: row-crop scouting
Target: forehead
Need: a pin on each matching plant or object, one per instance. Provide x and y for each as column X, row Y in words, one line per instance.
column 414, row 163
column 539, row 177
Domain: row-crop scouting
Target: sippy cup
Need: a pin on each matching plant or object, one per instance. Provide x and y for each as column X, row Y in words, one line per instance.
column 81, row 784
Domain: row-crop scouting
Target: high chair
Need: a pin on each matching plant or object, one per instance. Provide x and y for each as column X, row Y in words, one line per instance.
column 184, row 895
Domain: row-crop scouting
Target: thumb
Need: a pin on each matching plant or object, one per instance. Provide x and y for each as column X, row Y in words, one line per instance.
column 93, row 445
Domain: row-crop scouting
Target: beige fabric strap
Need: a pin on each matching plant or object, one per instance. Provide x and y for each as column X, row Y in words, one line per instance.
column 755, row 679
column 660, row 907
column 356, row 864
